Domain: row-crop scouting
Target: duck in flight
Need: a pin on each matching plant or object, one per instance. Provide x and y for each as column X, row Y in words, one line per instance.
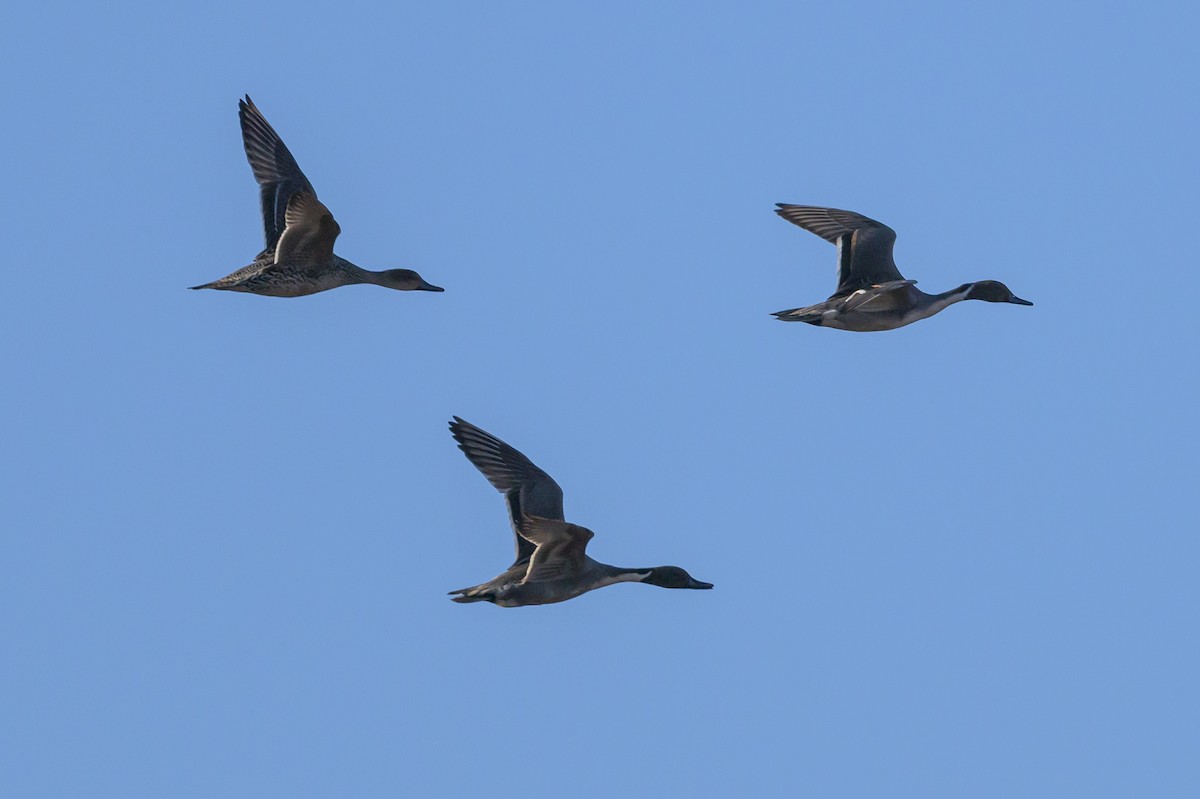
column 871, row 293
column 551, row 564
column 298, row 258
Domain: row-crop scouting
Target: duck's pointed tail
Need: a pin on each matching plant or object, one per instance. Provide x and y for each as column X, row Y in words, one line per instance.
column 473, row 594
column 813, row 317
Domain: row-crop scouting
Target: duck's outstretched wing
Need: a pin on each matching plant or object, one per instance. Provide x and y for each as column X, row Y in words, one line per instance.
column 528, row 490
column 277, row 173
column 864, row 245
column 561, row 548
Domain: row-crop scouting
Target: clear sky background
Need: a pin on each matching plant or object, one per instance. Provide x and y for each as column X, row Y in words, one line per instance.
column 958, row 559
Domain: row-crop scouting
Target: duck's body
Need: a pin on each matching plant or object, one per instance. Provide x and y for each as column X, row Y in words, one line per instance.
column 511, row 589
column 872, row 295
column 271, row 279
column 884, row 307
column 299, row 231
column 551, row 563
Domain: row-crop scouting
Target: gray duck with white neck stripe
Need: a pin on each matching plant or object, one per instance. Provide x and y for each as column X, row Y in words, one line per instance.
column 551, row 563
column 872, row 295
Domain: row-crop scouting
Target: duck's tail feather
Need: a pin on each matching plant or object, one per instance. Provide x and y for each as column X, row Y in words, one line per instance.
column 472, row 594
column 809, row 315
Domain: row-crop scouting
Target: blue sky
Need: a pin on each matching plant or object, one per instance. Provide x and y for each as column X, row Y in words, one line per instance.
column 956, row 559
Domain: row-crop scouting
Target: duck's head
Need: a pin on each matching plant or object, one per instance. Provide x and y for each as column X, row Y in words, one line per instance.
column 673, row 577
column 405, row 280
column 993, row 291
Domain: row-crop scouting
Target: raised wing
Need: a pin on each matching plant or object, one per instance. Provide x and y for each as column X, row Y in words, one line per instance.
column 864, row 245
column 527, row 489
column 277, row 173
column 309, row 233
column 561, row 548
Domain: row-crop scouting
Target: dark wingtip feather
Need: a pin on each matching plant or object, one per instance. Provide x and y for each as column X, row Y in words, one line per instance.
column 458, row 430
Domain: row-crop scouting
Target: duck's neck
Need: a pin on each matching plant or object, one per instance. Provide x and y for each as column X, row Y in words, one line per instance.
column 356, row 274
column 938, row 302
column 618, row 574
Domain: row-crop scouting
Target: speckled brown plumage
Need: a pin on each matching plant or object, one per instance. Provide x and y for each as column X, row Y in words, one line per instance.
column 298, row 230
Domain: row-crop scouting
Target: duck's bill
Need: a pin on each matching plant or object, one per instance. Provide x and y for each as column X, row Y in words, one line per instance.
column 697, row 584
column 1019, row 301
column 426, row 286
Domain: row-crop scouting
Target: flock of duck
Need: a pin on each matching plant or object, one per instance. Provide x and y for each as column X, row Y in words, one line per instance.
column 552, row 564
